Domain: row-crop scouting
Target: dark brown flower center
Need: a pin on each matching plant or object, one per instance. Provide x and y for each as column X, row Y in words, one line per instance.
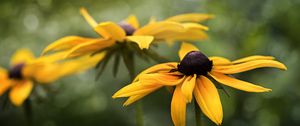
column 129, row 29
column 16, row 72
column 195, row 62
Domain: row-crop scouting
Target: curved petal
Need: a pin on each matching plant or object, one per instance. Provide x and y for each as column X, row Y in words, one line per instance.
column 50, row 72
column 89, row 47
column 219, row 61
column 238, row 84
column 195, row 26
column 187, row 35
column 3, row 72
column 5, row 84
column 54, row 57
column 134, row 98
column 66, row 43
column 160, row 30
column 142, row 41
column 133, row 21
column 191, row 17
column 156, row 68
column 4, row 81
column 161, row 79
column 186, row 48
column 187, row 87
column 111, row 30
column 246, row 66
column 178, row 107
column 88, row 17
column 20, row 92
column 208, row 99
column 21, row 56
column 251, row 58
column 137, row 88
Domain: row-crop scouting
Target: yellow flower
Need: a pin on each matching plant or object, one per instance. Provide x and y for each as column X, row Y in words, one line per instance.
column 191, row 79
column 181, row 27
column 26, row 69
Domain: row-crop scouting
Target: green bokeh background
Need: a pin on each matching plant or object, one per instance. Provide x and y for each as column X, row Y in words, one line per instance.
column 241, row 28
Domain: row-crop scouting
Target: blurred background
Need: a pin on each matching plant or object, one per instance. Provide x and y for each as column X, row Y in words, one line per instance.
column 241, row 28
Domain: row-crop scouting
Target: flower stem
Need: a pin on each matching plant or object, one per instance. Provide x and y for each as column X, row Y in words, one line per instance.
column 28, row 111
column 198, row 114
column 139, row 113
column 138, row 107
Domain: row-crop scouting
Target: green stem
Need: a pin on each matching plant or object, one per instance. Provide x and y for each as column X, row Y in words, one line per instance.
column 28, row 111
column 139, row 113
column 198, row 114
column 129, row 63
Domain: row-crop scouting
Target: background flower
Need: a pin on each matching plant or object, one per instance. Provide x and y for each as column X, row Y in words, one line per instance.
column 26, row 70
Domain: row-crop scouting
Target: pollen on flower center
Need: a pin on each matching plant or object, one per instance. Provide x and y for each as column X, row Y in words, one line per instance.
column 195, row 62
column 16, row 71
column 129, row 29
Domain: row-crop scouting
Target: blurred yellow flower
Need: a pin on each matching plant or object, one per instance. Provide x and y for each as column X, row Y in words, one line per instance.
column 181, row 27
column 191, row 78
column 26, row 69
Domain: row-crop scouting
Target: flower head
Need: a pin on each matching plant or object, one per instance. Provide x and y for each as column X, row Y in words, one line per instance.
column 181, row 27
column 190, row 77
column 25, row 69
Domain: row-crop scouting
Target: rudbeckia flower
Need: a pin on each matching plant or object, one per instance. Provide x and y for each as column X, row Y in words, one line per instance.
column 191, row 79
column 181, row 27
column 25, row 69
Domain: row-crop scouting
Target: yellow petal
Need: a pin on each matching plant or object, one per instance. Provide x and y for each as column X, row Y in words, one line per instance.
column 54, row 57
column 3, row 72
column 134, row 98
column 88, row 17
column 246, row 66
column 89, row 47
column 142, row 41
column 187, row 35
column 4, row 81
column 20, row 92
column 238, row 84
column 50, row 72
column 21, row 56
column 251, row 58
column 191, row 17
column 195, row 26
column 110, row 29
column 219, row 61
column 156, row 68
column 137, row 88
column 208, row 99
column 133, row 21
column 152, row 20
column 192, row 32
column 187, row 87
column 4, row 85
column 185, row 49
column 66, row 43
column 160, row 30
column 178, row 107
column 161, row 79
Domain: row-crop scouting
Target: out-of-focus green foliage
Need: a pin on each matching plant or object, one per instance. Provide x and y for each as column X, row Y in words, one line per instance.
column 241, row 28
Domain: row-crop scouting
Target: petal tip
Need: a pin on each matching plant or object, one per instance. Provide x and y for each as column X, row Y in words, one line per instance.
column 114, row 96
column 284, row 67
column 268, row 90
column 82, row 10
